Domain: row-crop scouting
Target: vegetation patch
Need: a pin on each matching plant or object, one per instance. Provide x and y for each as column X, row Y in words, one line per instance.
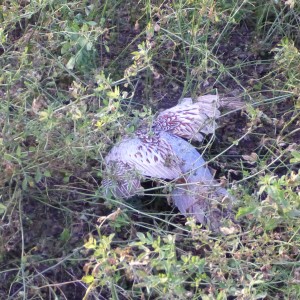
column 75, row 77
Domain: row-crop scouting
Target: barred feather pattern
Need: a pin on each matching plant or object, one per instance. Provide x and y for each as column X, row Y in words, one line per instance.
column 149, row 155
column 189, row 120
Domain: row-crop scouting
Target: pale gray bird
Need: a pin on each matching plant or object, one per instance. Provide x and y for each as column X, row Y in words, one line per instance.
column 162, row 153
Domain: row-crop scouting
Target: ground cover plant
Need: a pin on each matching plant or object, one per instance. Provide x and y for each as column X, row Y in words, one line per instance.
column 77, row 76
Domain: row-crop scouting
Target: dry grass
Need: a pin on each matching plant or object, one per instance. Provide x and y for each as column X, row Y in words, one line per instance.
column 74, row 77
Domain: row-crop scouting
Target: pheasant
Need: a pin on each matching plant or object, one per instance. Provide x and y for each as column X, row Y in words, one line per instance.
column 162, row 152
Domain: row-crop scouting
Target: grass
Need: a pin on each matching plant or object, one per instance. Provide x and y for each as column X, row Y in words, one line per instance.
column 77, row 76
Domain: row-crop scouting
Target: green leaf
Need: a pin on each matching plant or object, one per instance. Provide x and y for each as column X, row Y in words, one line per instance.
column 106, row 48
column 141, row 236
column 131, row 129
column 65, row 235
column 47, row 173
column 246, row 210
column 38, row 175
column 66, row 179
column 91, row 243
column 91, row 23
column 65, row 48
column 24, row 184
column 71, row 63
column 114, row 94
column 2, row 209
column 89, row 46
column 222, row 295
column 296, row 156
column 88, row 279
column 271, row 224
column 19, row 151
column 82, row 42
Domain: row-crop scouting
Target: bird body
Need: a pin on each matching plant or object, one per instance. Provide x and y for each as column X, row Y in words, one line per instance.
column 200, row 193
column 161, row 152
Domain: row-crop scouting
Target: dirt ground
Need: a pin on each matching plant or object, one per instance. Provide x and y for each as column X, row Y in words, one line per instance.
column 44, row 225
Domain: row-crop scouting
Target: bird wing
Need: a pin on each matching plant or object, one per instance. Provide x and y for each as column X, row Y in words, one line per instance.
column 121, row 180
column 190, row 120
column 150, row 155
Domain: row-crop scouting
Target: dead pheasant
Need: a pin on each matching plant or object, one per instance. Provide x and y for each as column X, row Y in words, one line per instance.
column 162, row 153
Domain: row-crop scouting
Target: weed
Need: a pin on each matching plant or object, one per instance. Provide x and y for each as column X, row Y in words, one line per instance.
column 75, row 77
